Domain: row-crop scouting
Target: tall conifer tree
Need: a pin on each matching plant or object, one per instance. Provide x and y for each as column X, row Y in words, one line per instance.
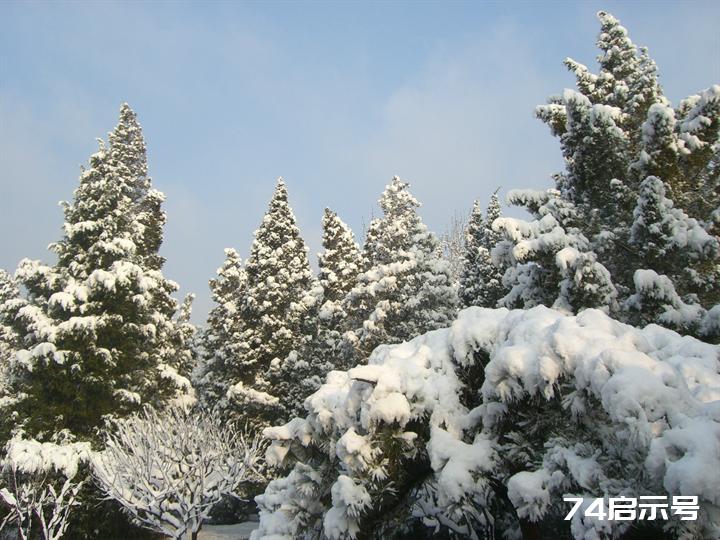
column 97, row 330
column 10, row 294
column 275, row 309
column 9, row 340
column 220, row 341
column 339, row 265
column 480, row 279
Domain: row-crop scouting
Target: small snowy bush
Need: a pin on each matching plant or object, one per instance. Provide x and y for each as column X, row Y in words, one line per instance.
column 168, row 469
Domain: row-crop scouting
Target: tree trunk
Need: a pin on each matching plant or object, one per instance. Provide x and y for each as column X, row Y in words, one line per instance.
column 530, row 530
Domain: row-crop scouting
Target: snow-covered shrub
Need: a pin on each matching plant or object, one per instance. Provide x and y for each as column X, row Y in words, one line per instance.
column 167, row 469
column 486, row 425
column 39, row 486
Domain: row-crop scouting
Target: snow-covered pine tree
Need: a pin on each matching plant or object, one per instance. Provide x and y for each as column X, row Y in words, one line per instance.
column 470, row 277
column 339, row 266
column 480, row 279
column 340, row 263
column 631, row 227
column 493, row 289
column 97, row 329
column 127, row 146
column 276, row 310
column 9, row 340
column 8, row 337
column 547, row 260
column 405, row 288
column 664, row 236
column 220, row 339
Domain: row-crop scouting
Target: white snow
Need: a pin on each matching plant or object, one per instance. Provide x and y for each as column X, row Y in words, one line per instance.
column 31, row 456
column 650, row 391
column 241, row 393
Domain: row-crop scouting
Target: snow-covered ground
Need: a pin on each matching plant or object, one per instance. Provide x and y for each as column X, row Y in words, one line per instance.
column 239, row 531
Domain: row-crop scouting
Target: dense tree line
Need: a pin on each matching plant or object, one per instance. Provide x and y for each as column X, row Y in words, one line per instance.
column 478, row 430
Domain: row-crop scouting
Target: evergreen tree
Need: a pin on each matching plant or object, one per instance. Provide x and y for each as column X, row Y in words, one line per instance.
column 276, row 309
column 471, row 278
column 405, row 288
column 339, row 265
column 8, row 338
column 127, row 146
column 97, row 330
column 665, row 237
column 220, row 340
column 631, row 227
column 481, row 279
column 491, row 236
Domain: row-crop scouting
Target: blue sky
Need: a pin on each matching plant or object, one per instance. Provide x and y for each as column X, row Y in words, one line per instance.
column 336, row 97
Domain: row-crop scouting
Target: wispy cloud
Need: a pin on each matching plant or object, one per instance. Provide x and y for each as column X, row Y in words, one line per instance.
column 334, row 98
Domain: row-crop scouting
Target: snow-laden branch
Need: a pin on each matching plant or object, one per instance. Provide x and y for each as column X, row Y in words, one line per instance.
column 40, row 486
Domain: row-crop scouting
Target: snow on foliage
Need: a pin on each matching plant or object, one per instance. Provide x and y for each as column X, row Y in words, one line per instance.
column 39, row 486
column 452, row 244
column 98, row 332
column 33, row 457
column 338, row 268
column 277, row 309
column 221, row 340
column 168, row 469
column 639, row 192
column 406, row 288
column 9, row 295
column 488, row 423
column 480, row 279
